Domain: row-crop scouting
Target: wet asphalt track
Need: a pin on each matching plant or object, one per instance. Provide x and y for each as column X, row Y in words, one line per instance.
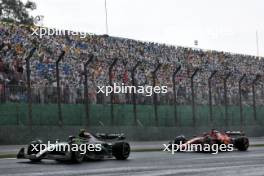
column 149, row 163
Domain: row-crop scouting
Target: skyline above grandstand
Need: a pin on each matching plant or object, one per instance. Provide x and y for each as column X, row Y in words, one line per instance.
column 217, row 25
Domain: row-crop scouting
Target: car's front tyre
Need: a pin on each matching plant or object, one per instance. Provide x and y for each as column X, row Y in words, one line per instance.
column 34, row 148
column 77, row 156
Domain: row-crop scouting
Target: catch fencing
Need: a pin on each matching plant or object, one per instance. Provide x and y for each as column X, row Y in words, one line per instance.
column 195, row 97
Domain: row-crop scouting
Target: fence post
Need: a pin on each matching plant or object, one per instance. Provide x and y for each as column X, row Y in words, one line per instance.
column 112, row 94
column 210, row 96
column 193, row 97
column 58, row 87
column 127, row 98
column 254, row 97
column 87, row 121
column 133, row 93
column 154, row 77
column 240, row 100
column 175, row 95
column 225, row 97
column 3, row 95
column 29, row 87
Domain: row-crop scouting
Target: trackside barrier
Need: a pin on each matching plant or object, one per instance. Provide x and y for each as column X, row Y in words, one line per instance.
column 29, row 105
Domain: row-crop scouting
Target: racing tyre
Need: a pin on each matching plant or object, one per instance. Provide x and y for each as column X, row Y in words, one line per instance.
column 121, row 150
column 241, row 143
column 33, row 148
column 180, row 140
column 208, row 142
column 77, row 156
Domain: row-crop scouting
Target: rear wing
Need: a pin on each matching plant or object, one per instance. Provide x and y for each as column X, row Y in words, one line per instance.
column 235, row 133
column 112, row 136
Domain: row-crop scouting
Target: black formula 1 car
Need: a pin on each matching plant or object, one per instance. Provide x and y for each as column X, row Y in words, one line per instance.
column 85, row 146
column 236, row 139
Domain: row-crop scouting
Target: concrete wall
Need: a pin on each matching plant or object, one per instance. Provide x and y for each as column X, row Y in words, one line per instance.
column 74, row 114
column 14, row 120
column 23, row 135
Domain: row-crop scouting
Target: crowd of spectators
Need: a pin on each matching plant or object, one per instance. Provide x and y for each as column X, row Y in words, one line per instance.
column 16, row 41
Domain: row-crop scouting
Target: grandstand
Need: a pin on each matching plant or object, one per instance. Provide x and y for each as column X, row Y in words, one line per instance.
column 192, row 91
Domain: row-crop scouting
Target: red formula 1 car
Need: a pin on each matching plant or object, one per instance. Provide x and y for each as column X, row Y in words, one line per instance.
column 232, row 139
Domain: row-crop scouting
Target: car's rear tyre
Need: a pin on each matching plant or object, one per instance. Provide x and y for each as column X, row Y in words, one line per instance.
column 33, row 148
column 241, row 143
column 77, row 157
column 121, row 150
